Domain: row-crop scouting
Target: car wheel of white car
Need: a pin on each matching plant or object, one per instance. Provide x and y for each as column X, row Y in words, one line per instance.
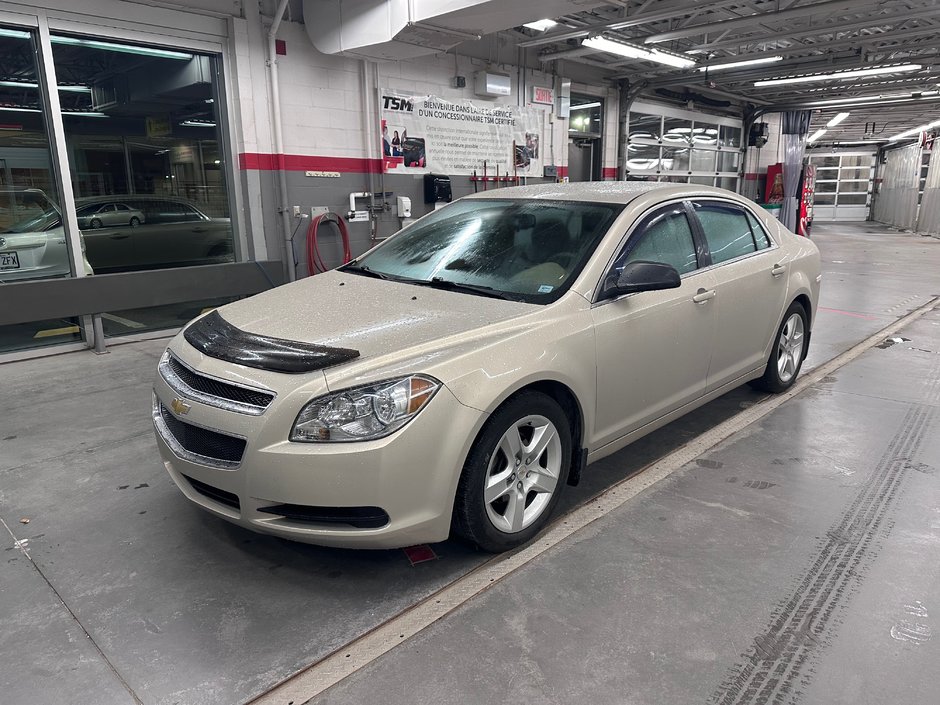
column 788, row 352
column 135, row 221
column 95, row 223
column 514, row 473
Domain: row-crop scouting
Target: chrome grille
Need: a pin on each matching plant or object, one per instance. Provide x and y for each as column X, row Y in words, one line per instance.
column 211, row 391
column 198, row 444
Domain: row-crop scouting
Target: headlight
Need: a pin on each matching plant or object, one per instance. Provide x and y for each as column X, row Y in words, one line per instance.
column 364, row 413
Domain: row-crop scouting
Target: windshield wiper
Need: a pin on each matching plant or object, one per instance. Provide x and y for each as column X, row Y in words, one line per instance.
column 479, row 290
column 435, row 283
column 365, row 271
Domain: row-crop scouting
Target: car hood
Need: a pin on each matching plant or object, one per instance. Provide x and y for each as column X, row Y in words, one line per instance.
column 374, row 317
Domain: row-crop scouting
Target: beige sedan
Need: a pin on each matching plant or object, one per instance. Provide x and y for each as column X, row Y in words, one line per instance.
column 456, row 377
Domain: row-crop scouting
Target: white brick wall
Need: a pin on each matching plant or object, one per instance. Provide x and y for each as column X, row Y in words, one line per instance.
column 323, row 98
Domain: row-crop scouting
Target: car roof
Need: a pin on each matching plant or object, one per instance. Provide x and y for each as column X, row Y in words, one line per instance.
column 603, row 191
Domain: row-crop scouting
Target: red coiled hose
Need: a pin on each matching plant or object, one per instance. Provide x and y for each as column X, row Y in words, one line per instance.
column 315, row 264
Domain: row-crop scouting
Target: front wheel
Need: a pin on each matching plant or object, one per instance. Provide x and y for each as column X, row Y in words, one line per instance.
column 788, row 352
column 514, row 473
column 135, row 221
column 95, row 224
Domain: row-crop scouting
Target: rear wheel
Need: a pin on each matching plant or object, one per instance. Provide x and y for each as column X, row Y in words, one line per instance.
column 788, row 352
column 135, row 221
column 95, row 223
column 514, row 473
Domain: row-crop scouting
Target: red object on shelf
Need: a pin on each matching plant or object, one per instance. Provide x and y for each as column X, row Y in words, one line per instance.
column 807, row 199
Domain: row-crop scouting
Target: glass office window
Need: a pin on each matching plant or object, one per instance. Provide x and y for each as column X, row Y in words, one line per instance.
column 823, row 162
column 676, row 158
column 645, row 126
column 704, row 133
column 642, row 158
column 677, row 130
column 32, row 239
column 142, row 128
column 730, row 136
column 715, row 148
column 702, row 160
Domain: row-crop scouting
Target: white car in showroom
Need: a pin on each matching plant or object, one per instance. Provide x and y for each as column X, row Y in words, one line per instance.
column 456, row 377
column 32, row 239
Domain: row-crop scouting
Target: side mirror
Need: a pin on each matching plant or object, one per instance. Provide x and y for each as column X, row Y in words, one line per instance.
column 642, row 276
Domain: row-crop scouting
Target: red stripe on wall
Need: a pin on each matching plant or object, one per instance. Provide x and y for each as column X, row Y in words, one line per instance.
column 751, row 176
column 562, row 172
column 301, row 162
column 609, row 172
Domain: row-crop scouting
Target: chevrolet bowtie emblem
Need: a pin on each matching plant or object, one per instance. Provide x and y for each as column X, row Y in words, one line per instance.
column 180, row 407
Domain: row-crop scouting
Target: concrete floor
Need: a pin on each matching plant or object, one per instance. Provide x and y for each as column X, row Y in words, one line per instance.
column 798, row 561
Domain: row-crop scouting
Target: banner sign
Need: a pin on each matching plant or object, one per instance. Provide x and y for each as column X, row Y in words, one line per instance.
column 422, row 134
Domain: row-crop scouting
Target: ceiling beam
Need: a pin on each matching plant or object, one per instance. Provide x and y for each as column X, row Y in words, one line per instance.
column 777, row 16
column 818, row 29
column 676, row 10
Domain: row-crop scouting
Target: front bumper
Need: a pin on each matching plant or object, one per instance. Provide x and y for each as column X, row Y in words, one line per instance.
column 411, row 475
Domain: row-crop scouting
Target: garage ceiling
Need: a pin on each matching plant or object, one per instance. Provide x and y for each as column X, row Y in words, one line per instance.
column 811, row 38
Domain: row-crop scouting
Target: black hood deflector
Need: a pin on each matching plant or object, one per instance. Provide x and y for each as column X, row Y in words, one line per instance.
column 212, row 335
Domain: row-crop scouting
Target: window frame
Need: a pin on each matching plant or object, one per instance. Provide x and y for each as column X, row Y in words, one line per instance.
column 629, row 240
column 744, row 211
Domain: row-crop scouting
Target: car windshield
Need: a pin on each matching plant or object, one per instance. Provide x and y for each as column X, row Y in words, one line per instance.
column 524, row 250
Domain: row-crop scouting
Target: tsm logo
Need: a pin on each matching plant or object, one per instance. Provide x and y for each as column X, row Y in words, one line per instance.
column 395, row 103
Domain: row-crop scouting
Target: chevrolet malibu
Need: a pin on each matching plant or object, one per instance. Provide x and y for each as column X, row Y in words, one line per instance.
column 455, row 378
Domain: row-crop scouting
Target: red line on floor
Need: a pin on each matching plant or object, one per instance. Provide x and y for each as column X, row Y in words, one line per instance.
column 849, row 313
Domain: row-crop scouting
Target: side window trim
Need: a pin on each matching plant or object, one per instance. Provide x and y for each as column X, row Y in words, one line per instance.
column 698, row 233
column 730, row 205
column 755, row 223
column 627, row 243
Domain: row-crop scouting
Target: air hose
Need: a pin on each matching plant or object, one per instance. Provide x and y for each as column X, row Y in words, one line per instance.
column 315, row 264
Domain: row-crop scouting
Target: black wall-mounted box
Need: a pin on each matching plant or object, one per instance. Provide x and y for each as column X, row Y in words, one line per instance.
column 437, row 188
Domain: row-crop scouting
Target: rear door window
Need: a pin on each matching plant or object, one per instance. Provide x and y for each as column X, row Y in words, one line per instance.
column 727, row 231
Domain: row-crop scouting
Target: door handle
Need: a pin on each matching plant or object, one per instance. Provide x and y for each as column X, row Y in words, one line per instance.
column 778, row 269
column 704, row 295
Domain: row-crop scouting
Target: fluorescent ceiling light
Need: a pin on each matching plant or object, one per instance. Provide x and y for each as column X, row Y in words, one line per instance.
column 85, row 113
column 14, row 34
column 122, row 48
column 839, row 75
column 540, row 25
column 816, row 135
column 915, row 131
column 747, row 62
column 196, row 123
column 27, row 84
column 632, row 51
column 585, row 106
column 837, row 119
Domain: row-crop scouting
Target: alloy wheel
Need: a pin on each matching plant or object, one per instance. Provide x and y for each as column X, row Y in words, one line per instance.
column 522, row 476
column 790, row 348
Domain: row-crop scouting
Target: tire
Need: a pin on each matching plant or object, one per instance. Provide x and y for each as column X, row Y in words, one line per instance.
column 520, row 502
column 95, row 224
column 135, row 221
column 787, row 353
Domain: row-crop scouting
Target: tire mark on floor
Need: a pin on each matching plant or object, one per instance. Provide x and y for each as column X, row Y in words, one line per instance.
column 773, row 670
